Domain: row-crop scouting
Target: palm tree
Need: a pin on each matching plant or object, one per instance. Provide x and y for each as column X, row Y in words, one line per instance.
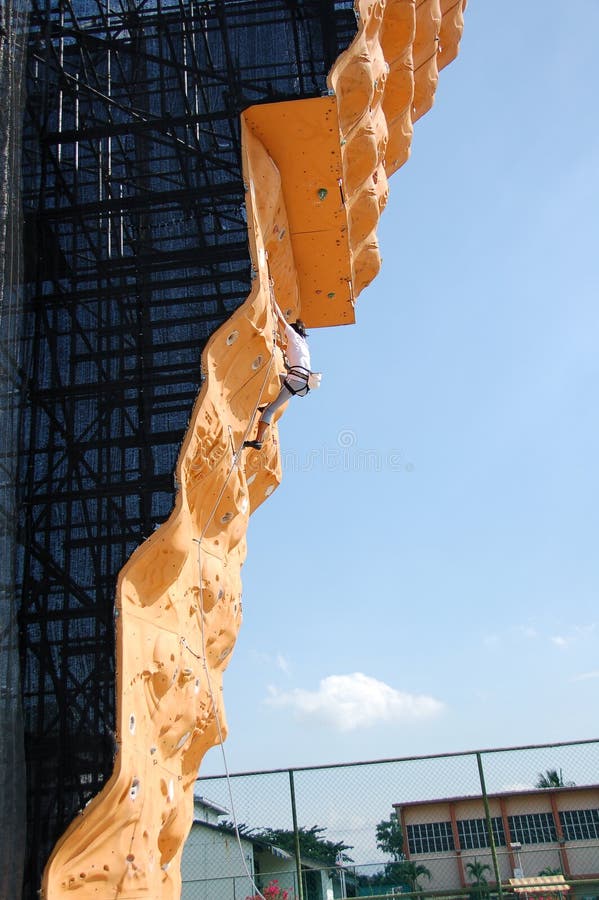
column 476, row 871
column 551, row 778
column 409, row 872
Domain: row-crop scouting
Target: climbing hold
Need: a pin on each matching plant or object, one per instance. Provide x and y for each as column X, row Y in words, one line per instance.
column 322, row 192
column 232, row 337
column 133, row 791
column 182, row 740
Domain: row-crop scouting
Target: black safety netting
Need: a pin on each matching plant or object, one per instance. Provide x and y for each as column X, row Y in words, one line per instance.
column 135, row 251
column 12, row 759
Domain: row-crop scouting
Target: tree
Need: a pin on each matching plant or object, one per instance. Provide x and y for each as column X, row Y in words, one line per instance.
column 409, row 872
column 476, row 872
column 389, row 837
column 241, row 827
column 551, row 778
column 311, row 842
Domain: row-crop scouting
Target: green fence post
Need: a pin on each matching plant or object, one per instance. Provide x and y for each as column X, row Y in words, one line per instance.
column 296, row 841
column 483, row 788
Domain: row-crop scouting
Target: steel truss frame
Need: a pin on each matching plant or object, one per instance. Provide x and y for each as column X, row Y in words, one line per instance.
column 136, row 251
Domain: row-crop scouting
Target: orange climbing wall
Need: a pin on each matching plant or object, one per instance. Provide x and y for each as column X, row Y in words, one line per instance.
column 316, row 173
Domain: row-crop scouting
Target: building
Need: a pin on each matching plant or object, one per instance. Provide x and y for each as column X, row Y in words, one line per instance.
column 535, row 832
column 218, row 866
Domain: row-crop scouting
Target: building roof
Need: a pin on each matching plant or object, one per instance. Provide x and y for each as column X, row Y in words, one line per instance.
column 210, row 804
column 260, row 843
column 499, row 795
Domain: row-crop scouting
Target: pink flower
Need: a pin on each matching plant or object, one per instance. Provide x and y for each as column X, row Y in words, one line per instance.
column 272, row 892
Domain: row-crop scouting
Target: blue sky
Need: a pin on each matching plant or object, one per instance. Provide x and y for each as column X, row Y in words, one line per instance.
column 426, row 577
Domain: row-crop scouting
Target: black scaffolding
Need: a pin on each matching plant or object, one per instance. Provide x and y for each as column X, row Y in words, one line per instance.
column 136, row 250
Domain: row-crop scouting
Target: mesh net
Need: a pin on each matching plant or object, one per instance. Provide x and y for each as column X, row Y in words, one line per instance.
column 136, row 250
column 12, row 778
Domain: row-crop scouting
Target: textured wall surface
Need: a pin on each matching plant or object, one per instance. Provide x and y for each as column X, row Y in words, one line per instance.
column 179, row 597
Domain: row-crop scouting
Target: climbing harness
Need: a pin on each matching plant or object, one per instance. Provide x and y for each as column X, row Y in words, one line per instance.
column 300, row 381
column 296, row 381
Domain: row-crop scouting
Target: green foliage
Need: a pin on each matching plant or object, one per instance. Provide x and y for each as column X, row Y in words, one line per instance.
column 389, row 837
column 549, row 871
column 399, row 875
column 242, row 828
column 400, row 872
column 551, row 778
column 409, row 873
column 311, row 841
column 476, row 872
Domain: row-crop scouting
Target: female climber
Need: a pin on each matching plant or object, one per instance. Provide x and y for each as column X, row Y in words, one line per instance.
column 297, row 380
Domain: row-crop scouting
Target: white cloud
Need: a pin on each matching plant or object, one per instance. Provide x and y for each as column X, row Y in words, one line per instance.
column 575, row 634
column 282, row 663
column 527, row 631
column 585, row 631
column 571, row 634
column 586, row 676
column 267, row 662
column 491, row 640
column 347, row 702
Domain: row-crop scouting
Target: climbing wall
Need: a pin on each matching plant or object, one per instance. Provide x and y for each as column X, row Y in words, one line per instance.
column 316, row 180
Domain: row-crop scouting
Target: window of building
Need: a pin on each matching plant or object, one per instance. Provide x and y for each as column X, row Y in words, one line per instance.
column 580, row 824
column 535, row 828
column 432, row 837
column 473, row 833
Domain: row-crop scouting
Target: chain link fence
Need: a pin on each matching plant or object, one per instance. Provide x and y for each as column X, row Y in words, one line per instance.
column 471, row 824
